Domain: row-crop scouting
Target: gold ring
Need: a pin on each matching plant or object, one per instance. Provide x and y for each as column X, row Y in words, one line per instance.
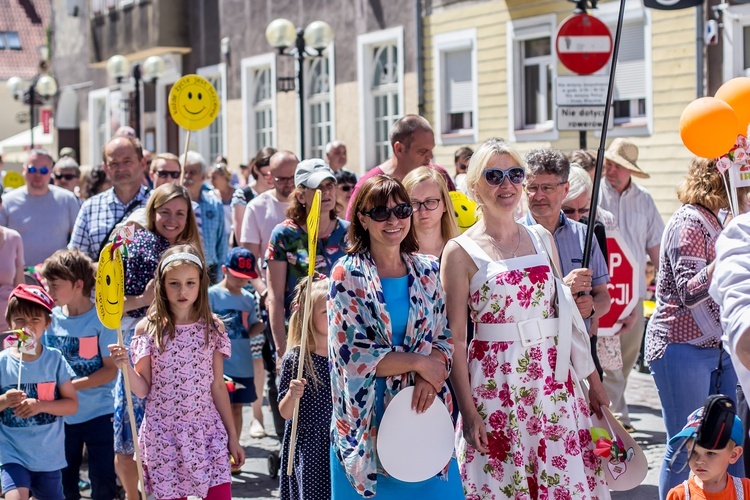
column 429, row 394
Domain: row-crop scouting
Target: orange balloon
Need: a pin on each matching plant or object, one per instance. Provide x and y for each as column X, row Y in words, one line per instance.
column 736, row 93
column 708, row 127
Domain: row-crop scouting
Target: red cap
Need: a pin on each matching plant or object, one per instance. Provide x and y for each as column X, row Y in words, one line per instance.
column 35, row 294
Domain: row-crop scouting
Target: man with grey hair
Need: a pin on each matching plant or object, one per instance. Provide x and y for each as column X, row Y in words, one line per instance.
column 546, row 187
column 42, row 214
column 336, row 155
column 67, row 174
column 213, row 230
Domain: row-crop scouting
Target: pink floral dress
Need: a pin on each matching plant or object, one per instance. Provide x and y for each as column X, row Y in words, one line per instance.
column 538, row 429
column 182, row 439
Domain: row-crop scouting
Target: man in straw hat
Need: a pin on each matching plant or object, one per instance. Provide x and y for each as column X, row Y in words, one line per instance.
column 641, row 226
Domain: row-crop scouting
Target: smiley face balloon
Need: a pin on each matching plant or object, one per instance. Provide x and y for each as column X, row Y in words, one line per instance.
column 110, row 288
column 465, row 210
column 193, row 102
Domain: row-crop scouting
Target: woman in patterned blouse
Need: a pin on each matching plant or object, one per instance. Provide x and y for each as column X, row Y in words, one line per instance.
column 683, row 337
column 387, row 331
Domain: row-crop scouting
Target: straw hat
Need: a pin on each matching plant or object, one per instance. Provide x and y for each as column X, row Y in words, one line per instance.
column 625, row 153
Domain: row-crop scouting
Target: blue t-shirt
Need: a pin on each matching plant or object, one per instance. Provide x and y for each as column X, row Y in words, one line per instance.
column 23, row 439
column 396, row 294
column 83, row 340
column 238, row 312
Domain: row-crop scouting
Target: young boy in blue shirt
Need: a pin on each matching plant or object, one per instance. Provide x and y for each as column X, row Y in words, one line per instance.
column 237, row 308
column 32, row 439
column 77, row 332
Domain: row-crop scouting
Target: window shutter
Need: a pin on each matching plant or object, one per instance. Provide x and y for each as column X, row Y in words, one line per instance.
column 630, row 79
column 458, row 85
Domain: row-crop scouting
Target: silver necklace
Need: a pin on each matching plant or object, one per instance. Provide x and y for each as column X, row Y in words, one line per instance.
column 503, row 251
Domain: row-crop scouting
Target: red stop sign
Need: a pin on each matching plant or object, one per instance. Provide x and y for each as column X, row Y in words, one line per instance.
column 623, row 285
column 583, row 44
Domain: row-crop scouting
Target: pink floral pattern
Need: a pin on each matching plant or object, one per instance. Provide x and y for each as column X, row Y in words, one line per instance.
column 538, row 429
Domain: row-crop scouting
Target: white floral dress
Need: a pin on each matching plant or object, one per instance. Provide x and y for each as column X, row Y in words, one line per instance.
column 538, row 429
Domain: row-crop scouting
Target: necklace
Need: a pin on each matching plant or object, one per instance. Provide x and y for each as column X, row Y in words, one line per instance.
column 503, row 251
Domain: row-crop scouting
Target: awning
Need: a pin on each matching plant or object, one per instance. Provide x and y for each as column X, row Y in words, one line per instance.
column 14, row 148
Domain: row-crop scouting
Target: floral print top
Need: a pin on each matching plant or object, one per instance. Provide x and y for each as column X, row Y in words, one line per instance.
column 140, row 265
column 359, row 336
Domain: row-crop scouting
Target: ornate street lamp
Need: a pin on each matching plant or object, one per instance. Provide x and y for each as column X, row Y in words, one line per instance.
column 41, row 88
column 119, row 68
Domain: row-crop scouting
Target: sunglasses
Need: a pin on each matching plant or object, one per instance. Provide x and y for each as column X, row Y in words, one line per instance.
column 346, row 187
column 496, row 176
column 163, row 174
column 571, row 211
column 42, row 170
column 283, row 180
column 67, row 177
column 382, row 214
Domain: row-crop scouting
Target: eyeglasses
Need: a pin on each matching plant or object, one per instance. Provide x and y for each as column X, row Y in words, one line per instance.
column 67, row 177
column 33, row 169
column 382, row 214
column 284, row 180
column 461, row 166
column 496, row 176
column 545, row 188
column 430, row 204
column 346, row 187
column 570, row 211
column 163, row 174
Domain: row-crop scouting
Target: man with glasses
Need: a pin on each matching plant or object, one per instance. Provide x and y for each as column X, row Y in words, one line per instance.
column 546, row 187
column 67, row 174
column 123, row 162
column 43, row 214
column 461, row 161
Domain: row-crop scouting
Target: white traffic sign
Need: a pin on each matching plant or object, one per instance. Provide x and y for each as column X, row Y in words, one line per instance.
column 582, row 90
column 581, row 118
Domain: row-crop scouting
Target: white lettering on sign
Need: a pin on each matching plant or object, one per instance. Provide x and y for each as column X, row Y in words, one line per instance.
column 619, row 293
column 615, row 260
column 577, row 44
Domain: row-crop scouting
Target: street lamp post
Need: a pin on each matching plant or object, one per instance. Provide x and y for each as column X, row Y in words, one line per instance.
column 281, row 34
column 42, row 87
column 118, row 68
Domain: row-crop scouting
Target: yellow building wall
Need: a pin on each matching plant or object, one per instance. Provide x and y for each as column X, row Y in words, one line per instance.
column 673, row 68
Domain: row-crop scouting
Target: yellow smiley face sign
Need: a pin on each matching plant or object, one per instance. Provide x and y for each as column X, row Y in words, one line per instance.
column 110, row 288
column 193, row 102
column 465, row 210
column 13, row 180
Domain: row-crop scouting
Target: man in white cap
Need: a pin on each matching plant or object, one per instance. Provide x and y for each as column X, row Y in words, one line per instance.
column 641, row 226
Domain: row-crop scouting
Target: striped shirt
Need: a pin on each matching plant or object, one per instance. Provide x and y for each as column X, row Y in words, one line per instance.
column 639, row 220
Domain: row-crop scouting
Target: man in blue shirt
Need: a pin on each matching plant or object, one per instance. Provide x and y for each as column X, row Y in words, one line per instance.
column 546, row 187
column 215, row 241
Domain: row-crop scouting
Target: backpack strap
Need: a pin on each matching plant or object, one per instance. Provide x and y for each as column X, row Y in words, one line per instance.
column 687, row 490
column 738, row 489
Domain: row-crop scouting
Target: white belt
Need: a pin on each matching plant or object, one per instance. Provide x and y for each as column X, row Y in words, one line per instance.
column 530, row 332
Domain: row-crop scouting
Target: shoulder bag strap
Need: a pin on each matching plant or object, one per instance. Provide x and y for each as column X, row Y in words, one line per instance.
column 133, row 205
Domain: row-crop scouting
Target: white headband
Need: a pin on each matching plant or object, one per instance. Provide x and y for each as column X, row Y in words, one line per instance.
column 182, row 256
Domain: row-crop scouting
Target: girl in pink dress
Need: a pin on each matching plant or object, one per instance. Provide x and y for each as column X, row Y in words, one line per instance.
column 187, row 435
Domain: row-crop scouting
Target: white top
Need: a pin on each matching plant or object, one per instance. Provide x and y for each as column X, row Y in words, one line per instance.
column 262, row 214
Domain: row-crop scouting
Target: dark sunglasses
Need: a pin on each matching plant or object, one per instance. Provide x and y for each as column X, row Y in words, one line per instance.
column 382, row 214
column 346, row 187
column 571, row 211
column 496, row 176
column 163, row 174
column 67, row 177
column 42, row 170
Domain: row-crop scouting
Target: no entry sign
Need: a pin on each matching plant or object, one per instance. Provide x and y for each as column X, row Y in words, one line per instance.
column 583, row 44
column 623, row 285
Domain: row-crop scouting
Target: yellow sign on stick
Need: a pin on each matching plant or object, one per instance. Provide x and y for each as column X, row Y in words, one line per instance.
column 110, row 288
column 193, row 102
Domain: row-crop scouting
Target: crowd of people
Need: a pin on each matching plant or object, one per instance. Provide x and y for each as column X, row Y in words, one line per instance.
column 498, row 323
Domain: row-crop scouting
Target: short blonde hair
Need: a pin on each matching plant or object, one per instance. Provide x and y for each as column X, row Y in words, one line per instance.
column 480, row 158
column 448, row 225
column 704, row 186
column 579, row 182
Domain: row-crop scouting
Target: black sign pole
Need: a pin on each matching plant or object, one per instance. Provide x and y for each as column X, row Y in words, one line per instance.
column 602, row 142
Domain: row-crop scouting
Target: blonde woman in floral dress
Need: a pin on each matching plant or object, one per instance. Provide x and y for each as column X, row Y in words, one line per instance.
column 524, row 427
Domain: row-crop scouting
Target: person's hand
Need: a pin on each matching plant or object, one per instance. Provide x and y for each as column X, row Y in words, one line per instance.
column 424, row 394
column 475, row 432
column 119, row 355
column 237, row 453
column 433, row 370
column 29, row 407
column 597, row 394
column 585, row 305
column 297, row 388
column 627, row 322
column 14, row 397
column 579, row 280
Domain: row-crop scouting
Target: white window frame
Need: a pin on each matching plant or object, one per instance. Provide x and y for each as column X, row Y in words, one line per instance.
column 364, row 78
column 441, row 45
column 249, row 66
column 204, row 146
column 95, row 149
column 634, row 11
column 516, row 32
column 311, row 100
column 735, row 19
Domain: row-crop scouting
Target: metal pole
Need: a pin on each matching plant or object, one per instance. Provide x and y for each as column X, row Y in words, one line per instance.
column 32, row 98
column 581, row 139
column 137, row 99
column 300, row 46
column 699, row 51
column 602, row 142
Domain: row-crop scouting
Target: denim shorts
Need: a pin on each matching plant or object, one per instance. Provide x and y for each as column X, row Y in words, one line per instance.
column 245, row 395
column 42, row 485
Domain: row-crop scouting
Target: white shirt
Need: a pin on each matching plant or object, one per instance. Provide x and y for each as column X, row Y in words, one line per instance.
column 262, row 214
